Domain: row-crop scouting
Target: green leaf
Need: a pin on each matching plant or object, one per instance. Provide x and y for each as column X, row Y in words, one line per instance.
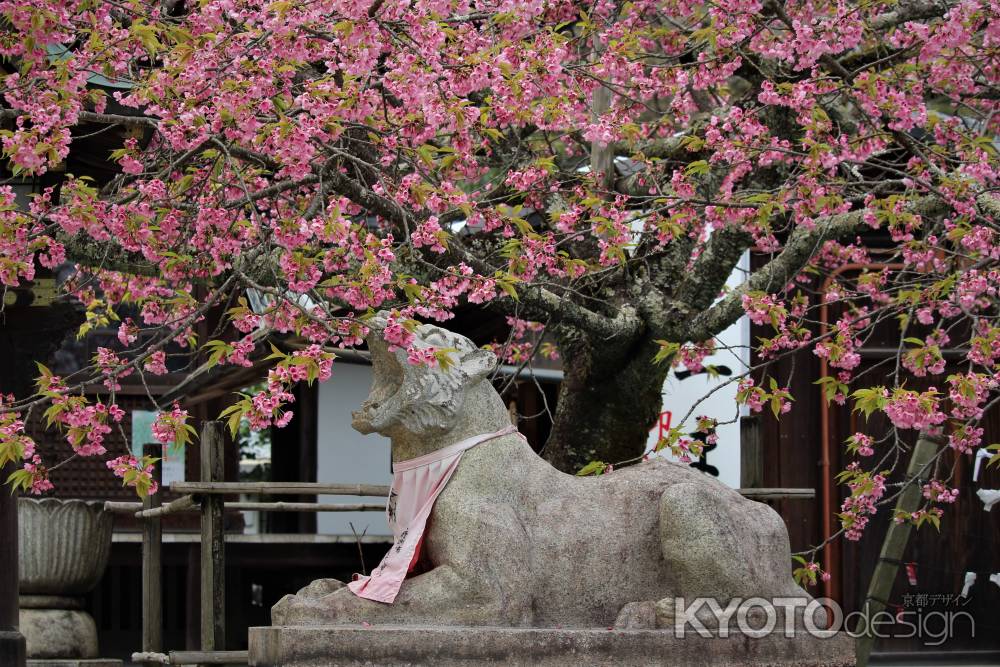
column 592, row 468
column 666, row 351
column 697, row 168
column 427, row 153
column 507, row 285
column 869, row 400
column 235, row 414
column 275, row 353
column 443, row 357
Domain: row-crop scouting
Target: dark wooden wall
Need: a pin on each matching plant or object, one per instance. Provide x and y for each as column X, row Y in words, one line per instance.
column 969, row 539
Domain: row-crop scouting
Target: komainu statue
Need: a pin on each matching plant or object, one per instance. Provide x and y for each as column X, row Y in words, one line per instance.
column 510, row 541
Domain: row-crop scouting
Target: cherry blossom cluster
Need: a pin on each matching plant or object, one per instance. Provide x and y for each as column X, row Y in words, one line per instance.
column 936, row 491
column 291, row 167
column 135, row 472
column 171, row 427
column 857, row 509
column 18, row 448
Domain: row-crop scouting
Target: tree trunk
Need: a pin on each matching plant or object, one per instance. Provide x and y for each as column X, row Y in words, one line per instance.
column 608, row 401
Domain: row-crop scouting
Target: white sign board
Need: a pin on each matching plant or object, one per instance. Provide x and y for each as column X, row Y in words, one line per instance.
column 683, row 389
column 172, row 456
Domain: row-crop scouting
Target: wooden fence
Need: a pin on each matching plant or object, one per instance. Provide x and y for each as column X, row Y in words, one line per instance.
column 207, row 497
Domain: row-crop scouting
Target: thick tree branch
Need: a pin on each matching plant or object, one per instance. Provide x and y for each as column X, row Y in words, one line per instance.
column 702, row 283
column 107, row 255
column 800, row 248
column 535, row 301
column 917, row 10
column 92, row 117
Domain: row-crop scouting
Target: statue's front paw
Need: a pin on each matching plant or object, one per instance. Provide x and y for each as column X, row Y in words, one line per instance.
column 299, row 608
column 312, row 607
column 280, row 611
column 321, row 587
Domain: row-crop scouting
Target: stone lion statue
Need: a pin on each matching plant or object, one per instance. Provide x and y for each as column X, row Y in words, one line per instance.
column 513, row 542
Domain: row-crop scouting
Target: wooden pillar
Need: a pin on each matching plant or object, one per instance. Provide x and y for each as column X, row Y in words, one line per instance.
column 152, row 581
column 213, row 544
column 751, row 454
column 12, row 651
column 192, row 598
column 307, row 400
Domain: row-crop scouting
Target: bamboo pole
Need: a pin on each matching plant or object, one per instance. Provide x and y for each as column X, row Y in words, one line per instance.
column 895, row 542
column 182, row 504
column 213, row 545
column 151, row 658
column 209, row 657
column 122, row 508
column 152, row 544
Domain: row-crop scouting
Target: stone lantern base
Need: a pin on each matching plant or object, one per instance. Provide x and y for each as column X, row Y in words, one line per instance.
column 57, row 627
column 63, row 548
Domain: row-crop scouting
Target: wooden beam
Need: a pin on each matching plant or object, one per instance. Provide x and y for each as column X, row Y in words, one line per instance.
column 280, row 488
column 776, row 493
column 306, row 507
column 190, row 505
column 213, row 544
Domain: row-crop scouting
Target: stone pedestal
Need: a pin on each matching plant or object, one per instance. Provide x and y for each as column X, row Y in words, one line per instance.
column 63, row 550
column 57, row 627
column 444, row 646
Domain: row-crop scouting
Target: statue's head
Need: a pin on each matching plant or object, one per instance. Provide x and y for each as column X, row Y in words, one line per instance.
column 419, row 399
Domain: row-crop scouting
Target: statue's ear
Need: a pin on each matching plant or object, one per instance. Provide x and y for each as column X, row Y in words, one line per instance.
column 478, row 364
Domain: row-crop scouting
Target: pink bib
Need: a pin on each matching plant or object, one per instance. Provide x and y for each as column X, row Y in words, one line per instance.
column 416, row 484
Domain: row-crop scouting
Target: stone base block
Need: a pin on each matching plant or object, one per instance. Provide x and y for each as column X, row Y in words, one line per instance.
column 73, row 662
column 58, row 633
column 441, row 646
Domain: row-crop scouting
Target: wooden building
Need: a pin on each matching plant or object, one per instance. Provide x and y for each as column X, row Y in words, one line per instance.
column 267, row 559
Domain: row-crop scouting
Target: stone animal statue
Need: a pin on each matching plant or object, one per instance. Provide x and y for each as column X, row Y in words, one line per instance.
column 512, row 541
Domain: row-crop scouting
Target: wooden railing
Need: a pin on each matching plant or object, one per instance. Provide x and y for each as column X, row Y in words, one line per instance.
column 206, row 497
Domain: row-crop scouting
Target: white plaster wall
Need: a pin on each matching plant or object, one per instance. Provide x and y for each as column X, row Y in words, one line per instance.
column 715, row 397
column 345, row 456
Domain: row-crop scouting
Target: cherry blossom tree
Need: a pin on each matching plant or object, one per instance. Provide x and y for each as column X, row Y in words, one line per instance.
column 595, row 169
